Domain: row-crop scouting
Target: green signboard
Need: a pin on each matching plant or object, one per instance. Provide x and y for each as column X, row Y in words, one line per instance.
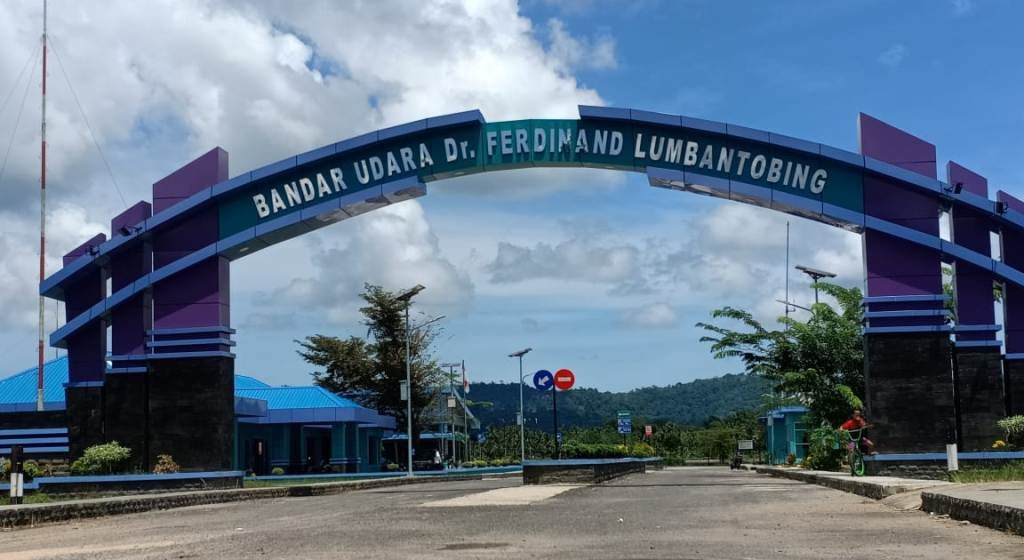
column 473, row 148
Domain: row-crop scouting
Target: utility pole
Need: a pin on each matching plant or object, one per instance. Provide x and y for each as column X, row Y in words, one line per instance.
column 42, row 227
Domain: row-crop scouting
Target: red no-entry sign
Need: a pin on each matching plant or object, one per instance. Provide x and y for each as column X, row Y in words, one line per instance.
column 564, row 379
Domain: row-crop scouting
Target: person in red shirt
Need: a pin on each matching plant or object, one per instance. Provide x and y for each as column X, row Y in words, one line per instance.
column 858, row 422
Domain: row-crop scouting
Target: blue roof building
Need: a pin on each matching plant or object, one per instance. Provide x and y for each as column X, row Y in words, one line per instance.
column 300, row 429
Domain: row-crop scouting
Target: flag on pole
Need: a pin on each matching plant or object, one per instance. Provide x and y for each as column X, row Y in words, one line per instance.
column 465, row 380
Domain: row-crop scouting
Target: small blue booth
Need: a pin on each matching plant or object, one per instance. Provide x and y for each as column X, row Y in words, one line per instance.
column 785, row 434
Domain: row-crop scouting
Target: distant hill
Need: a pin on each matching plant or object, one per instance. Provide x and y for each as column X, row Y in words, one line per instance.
column 690, row 403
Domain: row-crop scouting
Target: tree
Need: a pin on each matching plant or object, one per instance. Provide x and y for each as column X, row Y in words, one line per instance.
column 370, row 370
column 819, row 361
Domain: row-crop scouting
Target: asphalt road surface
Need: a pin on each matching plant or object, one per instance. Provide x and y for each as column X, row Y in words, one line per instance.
column 687, row 513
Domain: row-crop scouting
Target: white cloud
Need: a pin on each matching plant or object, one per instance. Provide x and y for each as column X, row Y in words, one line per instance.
column 392, row 247
column 585, row 256
column 569, row 52
column 658, row 315
column 263, row 80
column 894, row 55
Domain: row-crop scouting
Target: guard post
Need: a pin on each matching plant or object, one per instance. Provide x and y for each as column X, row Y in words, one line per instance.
column 17, row 476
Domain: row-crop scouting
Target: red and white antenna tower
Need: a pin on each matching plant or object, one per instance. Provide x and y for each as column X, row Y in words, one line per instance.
column 42, row 227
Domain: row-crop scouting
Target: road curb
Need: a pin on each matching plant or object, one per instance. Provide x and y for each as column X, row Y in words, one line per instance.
column 38, row 514
column 863, row 486
column 995, row 516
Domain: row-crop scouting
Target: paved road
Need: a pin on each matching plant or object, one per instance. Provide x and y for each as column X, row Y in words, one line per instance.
column 690, row 513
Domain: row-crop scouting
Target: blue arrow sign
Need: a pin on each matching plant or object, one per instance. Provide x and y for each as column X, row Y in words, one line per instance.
column 543, row 380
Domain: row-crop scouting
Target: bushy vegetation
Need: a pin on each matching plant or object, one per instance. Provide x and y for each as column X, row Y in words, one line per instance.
column 277, row 471
column 165, row 465
column 1014, row 428
column 693, row 403
column 677, row 444
column 106, row 458
column 827, row 449
column 819, row 362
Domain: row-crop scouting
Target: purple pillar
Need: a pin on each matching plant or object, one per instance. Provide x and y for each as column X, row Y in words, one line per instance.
column 1013, row 310
column 908, row 374
column 130, row 321
column 1013, row 302
column 971, row 229
column 87, row 348
column 198, row 298
column 896, row 267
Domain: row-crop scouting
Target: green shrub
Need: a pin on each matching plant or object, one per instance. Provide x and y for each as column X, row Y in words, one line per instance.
column 641, row 449
column 277, row 471
column 1013, row 426
column 165, row 464
column 4, row 468
column 106, row 458
column 826, row 450
column 31, row 469
column 594, row 451
column 392, row 466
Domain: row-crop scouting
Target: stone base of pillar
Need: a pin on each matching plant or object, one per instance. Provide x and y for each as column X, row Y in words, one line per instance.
column 980, row 399
column 124, row 415
column 1013, row 371
column 909, row 382
column 192, row 411
column 83, row 409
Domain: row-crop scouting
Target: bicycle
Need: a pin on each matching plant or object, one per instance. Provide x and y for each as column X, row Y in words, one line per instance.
column 854, row 454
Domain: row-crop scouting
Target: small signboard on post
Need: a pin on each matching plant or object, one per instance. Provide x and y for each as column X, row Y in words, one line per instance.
column 648, row 430
column 745, row 445
column 625, row 423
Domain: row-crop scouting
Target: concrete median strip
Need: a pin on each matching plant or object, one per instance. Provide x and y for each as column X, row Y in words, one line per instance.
column 38, row 514
column 996, row 505
column 513, row 496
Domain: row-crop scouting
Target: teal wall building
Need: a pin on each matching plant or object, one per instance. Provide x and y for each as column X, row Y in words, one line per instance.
column 785, row 434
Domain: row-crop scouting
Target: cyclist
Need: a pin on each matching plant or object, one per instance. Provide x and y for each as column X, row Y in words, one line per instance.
column 858, row 422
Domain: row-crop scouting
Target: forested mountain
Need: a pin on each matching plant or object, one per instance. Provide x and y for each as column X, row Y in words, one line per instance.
column 690, row 403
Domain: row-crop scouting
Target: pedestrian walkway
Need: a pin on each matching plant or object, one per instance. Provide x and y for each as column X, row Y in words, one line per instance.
column 997, row 505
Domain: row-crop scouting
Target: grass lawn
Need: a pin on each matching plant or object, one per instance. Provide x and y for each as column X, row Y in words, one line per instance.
column 1013, row 471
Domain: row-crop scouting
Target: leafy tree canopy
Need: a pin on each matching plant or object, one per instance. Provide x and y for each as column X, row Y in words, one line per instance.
column 370, row 370
column 820, row 361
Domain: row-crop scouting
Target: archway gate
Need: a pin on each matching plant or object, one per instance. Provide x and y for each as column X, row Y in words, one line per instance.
column 168, row 388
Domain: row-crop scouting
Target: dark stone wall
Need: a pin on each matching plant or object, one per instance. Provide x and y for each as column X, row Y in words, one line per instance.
column 32, row 419
column 191, row 411
column 980, row 399
column 124, row 414
column 909, row 382
column 1014, row 372
column 581, row 472
column 84, row 414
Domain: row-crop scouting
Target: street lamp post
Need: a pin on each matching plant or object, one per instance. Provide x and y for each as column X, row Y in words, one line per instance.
column 815, row 275
column 522, row 420
column 451, row 397
column 407, row 297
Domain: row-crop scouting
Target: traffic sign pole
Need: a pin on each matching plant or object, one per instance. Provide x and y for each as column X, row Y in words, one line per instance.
column 554, row 412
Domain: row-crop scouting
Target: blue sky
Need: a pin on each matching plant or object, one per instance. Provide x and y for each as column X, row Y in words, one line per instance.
column 595, row 270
